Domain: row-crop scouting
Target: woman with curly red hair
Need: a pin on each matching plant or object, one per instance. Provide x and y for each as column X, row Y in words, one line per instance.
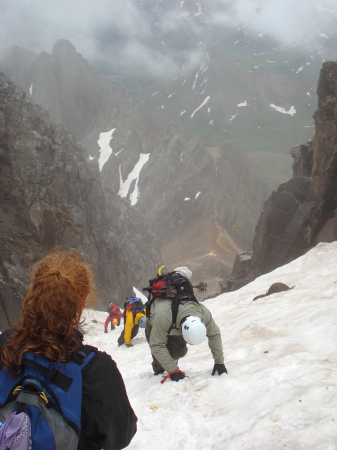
column 60, row 287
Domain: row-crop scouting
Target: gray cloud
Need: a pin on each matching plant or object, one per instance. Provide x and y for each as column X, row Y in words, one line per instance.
column 38, row 23
column 143, row 36
column 287, row 21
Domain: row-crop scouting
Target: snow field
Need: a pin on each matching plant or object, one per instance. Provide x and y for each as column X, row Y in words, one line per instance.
column 280, row 352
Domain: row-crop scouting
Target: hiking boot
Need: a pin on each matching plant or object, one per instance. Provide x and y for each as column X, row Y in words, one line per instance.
column 158, row 372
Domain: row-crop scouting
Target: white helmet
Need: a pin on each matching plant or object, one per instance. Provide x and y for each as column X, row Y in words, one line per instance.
column 194, row 330
column 184, row 271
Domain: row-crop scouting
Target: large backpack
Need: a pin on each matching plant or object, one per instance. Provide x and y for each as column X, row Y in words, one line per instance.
column 50, row 395
column 171, row 285
column 137, row 306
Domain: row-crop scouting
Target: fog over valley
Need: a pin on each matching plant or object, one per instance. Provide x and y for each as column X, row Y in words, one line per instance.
column 140, row 35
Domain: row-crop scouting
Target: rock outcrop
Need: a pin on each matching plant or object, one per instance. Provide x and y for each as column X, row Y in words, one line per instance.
column 303, row 211
column 51, row 196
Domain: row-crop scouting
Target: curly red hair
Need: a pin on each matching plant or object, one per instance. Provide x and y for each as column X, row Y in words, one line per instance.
column 52, row 307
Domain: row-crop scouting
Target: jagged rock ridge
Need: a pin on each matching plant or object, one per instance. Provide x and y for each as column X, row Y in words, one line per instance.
column 51, row 196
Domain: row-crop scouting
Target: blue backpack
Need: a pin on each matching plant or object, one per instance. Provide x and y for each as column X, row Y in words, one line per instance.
column 50, row 395
column 137, row 305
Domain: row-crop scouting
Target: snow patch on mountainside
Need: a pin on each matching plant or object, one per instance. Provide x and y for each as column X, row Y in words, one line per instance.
column 105, row 149
column 195, row 80
column 291, row 111
column 202, row 104
column 133, row 175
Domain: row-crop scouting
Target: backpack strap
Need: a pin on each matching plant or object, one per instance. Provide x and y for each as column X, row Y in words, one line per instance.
column 22, row 408
column 81, row 357
column 175, row 307
column 148, row 305
column 55, row 376
column 84, row 355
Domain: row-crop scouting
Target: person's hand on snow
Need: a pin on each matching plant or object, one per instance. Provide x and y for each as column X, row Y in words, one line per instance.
column 177, row 375
column 220, row 368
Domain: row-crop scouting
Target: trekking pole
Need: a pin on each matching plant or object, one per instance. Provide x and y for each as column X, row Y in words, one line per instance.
column 201, row 287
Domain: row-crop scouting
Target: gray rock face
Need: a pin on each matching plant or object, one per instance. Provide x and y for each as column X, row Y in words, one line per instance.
column 201, row 202
column 302, row 155
column 283, row 232
column 303, row 211
column 183, row 181
column 51, row 196
column 59, row 82
column 140, row 247
column 13, row 280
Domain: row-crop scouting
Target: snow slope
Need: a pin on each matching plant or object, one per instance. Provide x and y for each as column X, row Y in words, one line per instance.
column 280, row 352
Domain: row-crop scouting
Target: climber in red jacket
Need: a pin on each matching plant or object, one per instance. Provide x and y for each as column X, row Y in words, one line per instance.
column 115, row 315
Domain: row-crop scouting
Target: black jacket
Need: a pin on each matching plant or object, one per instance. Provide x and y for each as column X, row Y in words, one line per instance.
column 107, row 421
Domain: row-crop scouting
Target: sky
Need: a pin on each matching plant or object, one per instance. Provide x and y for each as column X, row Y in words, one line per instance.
column 134, row 34
column 280, row 353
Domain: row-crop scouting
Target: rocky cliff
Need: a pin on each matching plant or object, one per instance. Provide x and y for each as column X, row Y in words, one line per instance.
column 51, row 196
column 303, row 211
column 201, row 202
column 59, row 82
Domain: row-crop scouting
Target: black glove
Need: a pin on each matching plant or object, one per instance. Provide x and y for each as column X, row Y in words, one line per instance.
column 178, row 375
column 220, row 368
column 129, row 345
